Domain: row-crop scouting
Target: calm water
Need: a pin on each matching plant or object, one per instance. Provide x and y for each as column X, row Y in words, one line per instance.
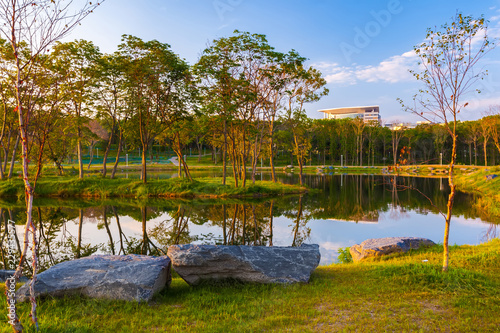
column 342, row 210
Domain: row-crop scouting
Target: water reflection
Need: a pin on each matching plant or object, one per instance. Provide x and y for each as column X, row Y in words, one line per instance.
column 377, row 207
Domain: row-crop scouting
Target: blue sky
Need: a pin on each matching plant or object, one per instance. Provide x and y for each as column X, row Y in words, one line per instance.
column 362, row 47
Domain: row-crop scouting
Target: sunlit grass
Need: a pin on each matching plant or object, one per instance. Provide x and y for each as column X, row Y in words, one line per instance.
column 487, row 190
column 400, row 293
column 99, row 187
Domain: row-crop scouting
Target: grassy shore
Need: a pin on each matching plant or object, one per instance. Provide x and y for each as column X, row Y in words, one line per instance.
column 97, row 187
column 401, row 293
column 487, row 191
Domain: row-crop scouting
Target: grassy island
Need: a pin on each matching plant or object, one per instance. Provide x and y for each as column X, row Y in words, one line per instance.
column 97, row 187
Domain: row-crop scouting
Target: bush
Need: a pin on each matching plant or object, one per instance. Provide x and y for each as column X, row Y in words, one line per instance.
column 344, row 255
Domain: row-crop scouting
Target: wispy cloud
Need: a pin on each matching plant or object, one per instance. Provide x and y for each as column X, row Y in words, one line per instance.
column 392, row 70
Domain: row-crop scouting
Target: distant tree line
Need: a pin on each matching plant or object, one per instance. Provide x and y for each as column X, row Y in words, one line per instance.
column 362, row 144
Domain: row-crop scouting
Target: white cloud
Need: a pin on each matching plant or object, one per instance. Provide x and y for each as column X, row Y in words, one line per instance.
column 482, row 104
column 391, row 70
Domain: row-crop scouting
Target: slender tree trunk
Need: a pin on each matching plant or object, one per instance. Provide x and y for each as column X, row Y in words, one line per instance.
column 244, row 162
column 80, row 227
column 117, row 160
column 300, row 161
column 79, row 151
column 234, row 162
column 143, row 170
column 91, row 155
column 117, row 218
column 224, row 153
column 271, row 223
column 475, row 153
column 200, row 147
column 470, row 154
column 297, row 223
column 449, row 206
column 233, row 228
column 106, row 152
column 243, row 233
column 145, row 239
column 13, row 158
column 485, row 153
column 111, row 243
column 224, row 223
column 6, row 152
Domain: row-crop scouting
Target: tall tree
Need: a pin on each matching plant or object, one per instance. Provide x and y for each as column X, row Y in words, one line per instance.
column 76, row 61
column 449, row 56
column 38, row 24
column 111, row 101
column 305, row 86
column 155, row 82
column 223, row 85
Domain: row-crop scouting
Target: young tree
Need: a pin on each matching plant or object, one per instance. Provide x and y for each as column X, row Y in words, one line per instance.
column 38, row 24
column 448, row 57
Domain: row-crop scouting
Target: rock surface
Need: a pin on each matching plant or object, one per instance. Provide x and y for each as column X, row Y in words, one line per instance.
column 5, row 274
column 122, row 277
column 256, row 264
column 377, row 247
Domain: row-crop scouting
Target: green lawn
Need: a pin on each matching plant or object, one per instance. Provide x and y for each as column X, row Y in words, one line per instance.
column 398, row 294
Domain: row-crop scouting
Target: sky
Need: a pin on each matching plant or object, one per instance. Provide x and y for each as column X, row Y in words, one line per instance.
column 363, row 48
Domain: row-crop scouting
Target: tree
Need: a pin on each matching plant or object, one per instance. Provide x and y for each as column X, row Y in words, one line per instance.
column 493, row 120
column 111, row 102
column 155, row 78
column 304, row 86
column 226, row 71
column 76, row 61
column 38, row 24
column 472, row 131
column 396, row 136
column 448, row 57
column 486, row 134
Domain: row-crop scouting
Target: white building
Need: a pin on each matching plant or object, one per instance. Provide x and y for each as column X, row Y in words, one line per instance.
column 367, row 113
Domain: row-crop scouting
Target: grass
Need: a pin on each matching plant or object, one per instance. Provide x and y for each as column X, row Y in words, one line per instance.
column 487, row 191
column 399, row 293
column 97, row 187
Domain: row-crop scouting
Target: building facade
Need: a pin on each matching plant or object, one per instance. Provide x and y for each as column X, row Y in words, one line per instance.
column 367, row 113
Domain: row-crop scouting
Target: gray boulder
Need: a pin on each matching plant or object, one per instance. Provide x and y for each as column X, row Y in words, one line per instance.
column 5, row 274
column 256, row 264
column 377, row 247
column 122, row 277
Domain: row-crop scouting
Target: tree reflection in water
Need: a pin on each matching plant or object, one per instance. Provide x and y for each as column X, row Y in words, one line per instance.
column 84, row 228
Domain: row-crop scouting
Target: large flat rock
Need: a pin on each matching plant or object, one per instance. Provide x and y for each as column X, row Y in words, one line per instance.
column 255, row 264
column 377, row 247
column 122, row 277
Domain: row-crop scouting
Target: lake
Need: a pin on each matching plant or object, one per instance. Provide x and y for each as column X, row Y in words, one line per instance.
column 340, row 211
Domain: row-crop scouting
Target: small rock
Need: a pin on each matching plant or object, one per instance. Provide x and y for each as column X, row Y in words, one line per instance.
column 377, row 247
